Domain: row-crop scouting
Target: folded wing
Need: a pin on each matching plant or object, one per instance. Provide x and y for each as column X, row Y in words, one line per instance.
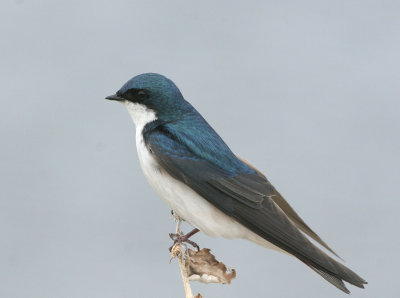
column 248, row 197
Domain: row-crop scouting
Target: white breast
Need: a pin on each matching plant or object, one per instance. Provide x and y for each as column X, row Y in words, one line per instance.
column 186, row 203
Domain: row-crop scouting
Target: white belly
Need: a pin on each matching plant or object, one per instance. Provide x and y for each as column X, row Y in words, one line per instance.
column 186, row 203
column 190, row 206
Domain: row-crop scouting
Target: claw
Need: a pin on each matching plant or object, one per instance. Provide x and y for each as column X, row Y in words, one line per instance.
column 180, row 238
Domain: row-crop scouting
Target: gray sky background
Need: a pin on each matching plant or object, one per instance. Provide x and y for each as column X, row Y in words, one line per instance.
column 307, row 91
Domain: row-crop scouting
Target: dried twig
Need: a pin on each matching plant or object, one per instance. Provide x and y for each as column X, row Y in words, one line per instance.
column 199, row 266
column 176, row 252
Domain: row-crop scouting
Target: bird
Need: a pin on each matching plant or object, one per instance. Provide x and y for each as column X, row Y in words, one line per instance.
column 205, row 184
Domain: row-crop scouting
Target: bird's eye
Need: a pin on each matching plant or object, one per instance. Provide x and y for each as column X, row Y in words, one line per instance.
column 135, row 95
column 141, row 94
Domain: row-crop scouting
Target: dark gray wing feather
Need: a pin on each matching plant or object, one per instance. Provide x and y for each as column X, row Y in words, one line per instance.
column 289, row 211
column 246, row 197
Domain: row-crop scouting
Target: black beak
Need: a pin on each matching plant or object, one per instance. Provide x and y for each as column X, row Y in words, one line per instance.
column 115, row 97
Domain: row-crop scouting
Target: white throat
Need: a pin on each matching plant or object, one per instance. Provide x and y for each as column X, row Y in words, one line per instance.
column 140, row 114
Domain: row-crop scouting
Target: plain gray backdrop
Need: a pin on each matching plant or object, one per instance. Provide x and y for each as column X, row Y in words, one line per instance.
column 308, row 91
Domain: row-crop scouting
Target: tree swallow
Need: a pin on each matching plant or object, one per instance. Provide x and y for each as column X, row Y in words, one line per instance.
column 207, row 185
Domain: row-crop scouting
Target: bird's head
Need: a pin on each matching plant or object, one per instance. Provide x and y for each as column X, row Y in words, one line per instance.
column 151, row 93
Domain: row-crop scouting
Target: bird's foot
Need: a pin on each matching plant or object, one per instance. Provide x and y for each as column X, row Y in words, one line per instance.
column 180, row 238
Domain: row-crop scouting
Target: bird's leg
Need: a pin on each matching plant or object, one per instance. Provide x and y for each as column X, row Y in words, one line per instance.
column 179, row 237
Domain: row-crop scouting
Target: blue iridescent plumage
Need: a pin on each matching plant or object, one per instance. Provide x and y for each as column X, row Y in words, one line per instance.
column 192, row 137
column 185, row 125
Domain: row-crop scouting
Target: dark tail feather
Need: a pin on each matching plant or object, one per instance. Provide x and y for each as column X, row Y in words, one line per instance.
column 342, row 273
column 338, row 283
